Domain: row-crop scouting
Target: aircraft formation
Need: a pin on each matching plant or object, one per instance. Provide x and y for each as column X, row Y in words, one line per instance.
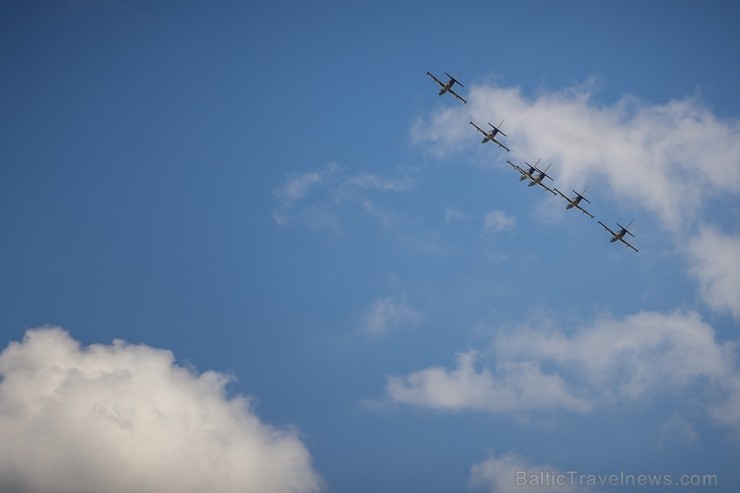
column 535, row 175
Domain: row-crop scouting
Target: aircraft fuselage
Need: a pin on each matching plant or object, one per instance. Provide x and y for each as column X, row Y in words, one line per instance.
column 446, row 87
column 618, row 236
column 528, row 175
column 574, row 202
column 536, row 180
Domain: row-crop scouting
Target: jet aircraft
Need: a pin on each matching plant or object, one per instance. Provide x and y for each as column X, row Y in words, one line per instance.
column 619, row 235
column 576, row 201
column 447, row 86
column 534, row 174
column 525, row 174
column 491, row 135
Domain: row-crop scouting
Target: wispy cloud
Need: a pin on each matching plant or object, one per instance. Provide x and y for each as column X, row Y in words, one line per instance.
column 497, row 220
column 452, row 214
column 388, row 313
column 370, row 181
column 512, row 473
column 335, row 189
column 677, row 429
column 121, row 418
column 297, row 185
column 325, row 199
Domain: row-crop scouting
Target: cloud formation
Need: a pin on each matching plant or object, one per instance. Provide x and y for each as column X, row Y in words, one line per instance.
column 512, row 473
column 519, row 386
column 496, row 220
column 388, row 313
column 636, row 358
column 714, row 260
column 297, row 185
column 727, row 411
column 334, row 189
column 453, row 214
column 121, row 418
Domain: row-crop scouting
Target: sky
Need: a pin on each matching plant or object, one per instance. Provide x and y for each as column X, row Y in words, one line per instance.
column 248, row 247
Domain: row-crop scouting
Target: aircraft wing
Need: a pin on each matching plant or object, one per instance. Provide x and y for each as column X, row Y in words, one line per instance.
column 607, row 228
column 584, row 211
column 456, row 95
column 435, row 79
column 520, row 170
column 622, row 240
column 578, row 206
column 563, row 195
column 501, row 145
column 479, row 129
column 545, row 187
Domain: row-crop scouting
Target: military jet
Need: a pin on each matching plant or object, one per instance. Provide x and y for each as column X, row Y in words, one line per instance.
column 619, row 235
column 491, row 135
column 534, row 174
column 447, row 86
column 576, row 201
column 525, row 174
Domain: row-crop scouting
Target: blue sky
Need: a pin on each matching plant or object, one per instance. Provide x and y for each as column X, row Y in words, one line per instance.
column 348, row 282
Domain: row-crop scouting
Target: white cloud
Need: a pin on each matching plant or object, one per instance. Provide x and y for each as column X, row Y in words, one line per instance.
column 519, row 386
column 511, row 473
column 637, row 358
column 122, row 418
column 297, row 185
column 714, row 259
column 388, row 313
column 316, row 215
column 666, row 157
column 497, row 220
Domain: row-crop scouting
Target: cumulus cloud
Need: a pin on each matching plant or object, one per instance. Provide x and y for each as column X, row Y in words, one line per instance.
column 388, row 313
column 512, row 473
column 497, row 220
column 122, row 418
column 669, row 158
column 714, row 259
column 638, row 357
